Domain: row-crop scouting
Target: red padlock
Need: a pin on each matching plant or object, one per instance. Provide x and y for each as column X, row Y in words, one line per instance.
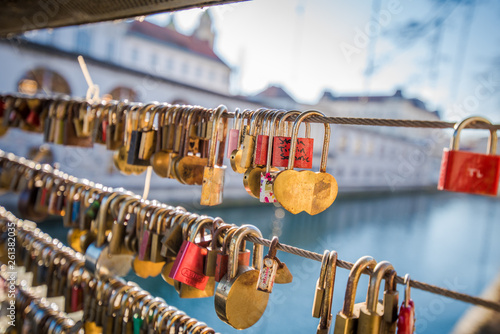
column 470, row 172
column 188, row 267
column 281, row 147
column 223, row 257
column 406, row 317
column 234, row 138
column 262, row 141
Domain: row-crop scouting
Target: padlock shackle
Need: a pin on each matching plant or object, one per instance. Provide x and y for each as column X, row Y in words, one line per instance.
column 238, row 238
column 326, row 309
column 103, row 213
column 381, row 269
column 217, row 233
column 352, row 283
column 281, row 124
column 201, row 223
column 407, row 290
column 493, row 139
column 295, row 134
column 273, row 129
column 213, row 142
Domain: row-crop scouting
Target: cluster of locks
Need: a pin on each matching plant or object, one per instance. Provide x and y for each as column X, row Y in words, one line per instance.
column 188, row 143
column 55, row 292
column 118, row 232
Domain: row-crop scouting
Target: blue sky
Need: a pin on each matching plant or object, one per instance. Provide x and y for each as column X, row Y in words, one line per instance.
column 310, row 46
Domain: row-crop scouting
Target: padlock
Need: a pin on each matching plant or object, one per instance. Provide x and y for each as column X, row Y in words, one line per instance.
column 372, row 313
column 248, row 145
column 237, row 302
column 189, row 291
column 97, row 257
column 142, row 140
column 262, row 141
column 117, row 235
column 72, row 133
column 115, row 128
column 214, row 248
column 269, row 268
column 222, row 259
column 213, row 174
column 319, row 292
column 161, row 160
column 189, row 166
column 282, row 146
column 236, row 154
column 326, row 307
column 120, row 157
column 390, row 302
column 470, row 172
column 233, row 140
column 273, row 270
column 144, row 265
column 346, row 320
column 188, row 267
column 252, row 178
column 306, row 190
column 173, row 238
column 406, row 318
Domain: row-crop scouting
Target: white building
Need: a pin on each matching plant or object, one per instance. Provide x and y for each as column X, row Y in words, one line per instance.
column 142, row 61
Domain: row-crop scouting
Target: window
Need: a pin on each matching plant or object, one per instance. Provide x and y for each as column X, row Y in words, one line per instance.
column 82, row 41
column 170, row 64
column 211, row 75
column 154, row 61
column 134, row 55
column 111, row 50
column 123, row 93
column 43, row 80
column 199, row 72
column 185, row 68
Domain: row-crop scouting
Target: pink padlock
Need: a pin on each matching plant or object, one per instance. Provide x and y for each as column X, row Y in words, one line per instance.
column 234, row 137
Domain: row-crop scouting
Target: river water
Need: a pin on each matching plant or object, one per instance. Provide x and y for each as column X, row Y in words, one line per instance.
column 446, row 239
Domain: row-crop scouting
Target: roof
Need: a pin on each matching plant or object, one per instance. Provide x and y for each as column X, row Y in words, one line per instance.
column 274, row 92
column 172, row 37
column 375, row 98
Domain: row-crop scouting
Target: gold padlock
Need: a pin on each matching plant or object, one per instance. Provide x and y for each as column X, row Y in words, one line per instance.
column 306, row 190
column 346, row 321
column 213, row 174
column 326, row 308
column 372, row 313
column 236, row 154
column 237, row 301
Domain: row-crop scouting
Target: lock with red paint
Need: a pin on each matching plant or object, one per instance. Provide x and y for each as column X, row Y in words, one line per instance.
column 470, row 172
column 282, row 143
column 188, row 267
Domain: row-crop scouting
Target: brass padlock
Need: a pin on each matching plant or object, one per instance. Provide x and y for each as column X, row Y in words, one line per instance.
column 248, row 146
column 188, row 166
column 142, row 140
column 306, row 190
column 213, row 174
column 237, row 301
column 117, row 235
column 236, row 154
column 346, row 321
column 326, row 308
column 319, row 293
column 372, row 313
column 161, row 159
column 252, row 176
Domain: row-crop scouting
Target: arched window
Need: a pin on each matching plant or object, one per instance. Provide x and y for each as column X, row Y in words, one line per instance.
column 43, row 80
column 123, row 93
